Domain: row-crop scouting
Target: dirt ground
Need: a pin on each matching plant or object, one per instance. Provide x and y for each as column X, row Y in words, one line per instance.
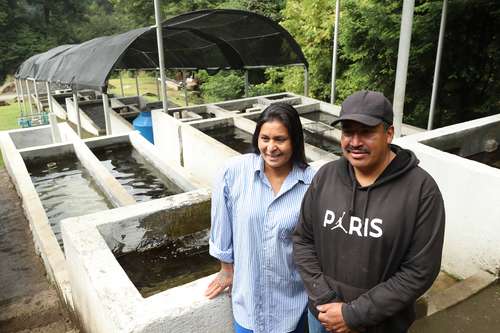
column 28, row 303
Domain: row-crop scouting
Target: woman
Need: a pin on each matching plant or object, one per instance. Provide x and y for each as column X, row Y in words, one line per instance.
column 255, row 207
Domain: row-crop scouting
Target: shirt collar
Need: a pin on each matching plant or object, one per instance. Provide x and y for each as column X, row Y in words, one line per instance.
column 297, row 173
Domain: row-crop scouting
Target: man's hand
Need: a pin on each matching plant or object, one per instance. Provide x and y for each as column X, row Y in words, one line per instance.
column 223, row 280
column 330, row 316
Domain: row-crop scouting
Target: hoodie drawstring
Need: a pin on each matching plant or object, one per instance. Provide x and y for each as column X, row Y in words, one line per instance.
column 366, row 203
column 353, row 197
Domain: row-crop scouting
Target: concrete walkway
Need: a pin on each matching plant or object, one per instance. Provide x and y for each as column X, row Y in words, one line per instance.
column 28, row 303
column 477, row 314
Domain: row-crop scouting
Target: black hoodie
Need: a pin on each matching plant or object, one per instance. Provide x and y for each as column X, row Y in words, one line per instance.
column 376, row 248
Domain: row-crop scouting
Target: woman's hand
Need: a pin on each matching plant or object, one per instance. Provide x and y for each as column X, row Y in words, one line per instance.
column 223, row 280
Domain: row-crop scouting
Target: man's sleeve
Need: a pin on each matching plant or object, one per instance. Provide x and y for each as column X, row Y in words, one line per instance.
column 304, row 253
column 221, row 231
column 418, row 270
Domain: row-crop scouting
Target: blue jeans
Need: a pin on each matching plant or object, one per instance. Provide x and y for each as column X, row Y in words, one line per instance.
column 301, row 326
column 314, row 324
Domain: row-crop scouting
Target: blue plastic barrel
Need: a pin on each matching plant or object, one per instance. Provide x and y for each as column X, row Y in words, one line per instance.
column 144, row 124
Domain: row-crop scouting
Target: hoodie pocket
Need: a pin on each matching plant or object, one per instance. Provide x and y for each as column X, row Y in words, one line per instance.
column 345, row 293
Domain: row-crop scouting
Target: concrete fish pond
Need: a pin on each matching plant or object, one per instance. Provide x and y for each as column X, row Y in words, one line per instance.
column 131, row 170
column 321, row 116
column 65, row 189
column 177, row 262
column 107, row 299
column 233, row 137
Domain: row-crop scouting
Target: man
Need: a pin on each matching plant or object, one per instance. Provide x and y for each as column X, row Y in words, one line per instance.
column 371, row 229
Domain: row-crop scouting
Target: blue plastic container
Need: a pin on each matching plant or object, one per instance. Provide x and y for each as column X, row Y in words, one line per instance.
column 144, row 124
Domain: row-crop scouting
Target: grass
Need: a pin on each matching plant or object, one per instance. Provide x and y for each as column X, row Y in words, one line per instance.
column 8, row 119
column 147, row 88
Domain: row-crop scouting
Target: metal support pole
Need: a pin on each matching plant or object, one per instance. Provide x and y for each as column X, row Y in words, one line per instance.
column 107, row 120
column 157, row 85
column 29, row 95
column 18, row 97
column 185, row 88
column 161, row 57
column 306, row 81
column 437, row 68
column 334, row 56
column 49, row 97
column 77, row 111
column 121, row 82
column 402, row 66
column 24, row 110
column 246, row 83
column 37, row 96
column 137, row 82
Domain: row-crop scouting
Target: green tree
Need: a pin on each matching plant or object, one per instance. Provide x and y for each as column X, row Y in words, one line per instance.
column 310, row 22
column 222, row 86
column 470, row 76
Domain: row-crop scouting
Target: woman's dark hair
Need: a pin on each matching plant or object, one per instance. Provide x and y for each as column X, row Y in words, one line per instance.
column 288, row 116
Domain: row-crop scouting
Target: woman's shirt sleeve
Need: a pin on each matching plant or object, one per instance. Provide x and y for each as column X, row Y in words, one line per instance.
column 221, row 231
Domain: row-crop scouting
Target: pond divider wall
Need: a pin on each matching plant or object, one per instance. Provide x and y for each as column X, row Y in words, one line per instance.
column 471, row 192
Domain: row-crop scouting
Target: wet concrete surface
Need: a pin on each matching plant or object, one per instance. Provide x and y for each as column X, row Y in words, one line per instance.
column 478, row 314
column 28, row 302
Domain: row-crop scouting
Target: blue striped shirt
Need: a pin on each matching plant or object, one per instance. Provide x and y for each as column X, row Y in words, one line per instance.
column 251, row 228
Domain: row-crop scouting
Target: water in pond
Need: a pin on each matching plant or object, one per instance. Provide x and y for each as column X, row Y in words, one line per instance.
column 178, row 262
column 65, row 189
column 491, row 159
column 281, row 96
column 233, row 137
column 207, row 115
column 322, row 117
column 141, row 180
column 316, row 139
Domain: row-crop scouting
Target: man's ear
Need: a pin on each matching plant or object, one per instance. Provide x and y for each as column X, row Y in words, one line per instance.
column 390, row 134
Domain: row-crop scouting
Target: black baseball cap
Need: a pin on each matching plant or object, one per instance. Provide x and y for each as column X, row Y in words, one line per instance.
column 367, row 107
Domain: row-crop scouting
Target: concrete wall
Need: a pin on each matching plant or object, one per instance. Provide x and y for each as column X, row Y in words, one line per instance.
column 118, row 124
column 166, row 136
column 31, row 137
column 203, row 155
column 178, row 175
column 86, row 123
column 471, row 192
column 58, row 109
column 105, row 298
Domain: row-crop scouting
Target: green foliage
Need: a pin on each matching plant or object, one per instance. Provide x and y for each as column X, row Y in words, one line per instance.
column 310, row 22
column 222, row 86
column 470, row 75
column 368, row 46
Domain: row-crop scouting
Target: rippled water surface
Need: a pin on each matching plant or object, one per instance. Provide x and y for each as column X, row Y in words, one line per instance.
column 178, row 262
column 65, row 189
column 322, row 117
column 233, row 137
column 140, row 179
column 316, row 139
column 491, row 159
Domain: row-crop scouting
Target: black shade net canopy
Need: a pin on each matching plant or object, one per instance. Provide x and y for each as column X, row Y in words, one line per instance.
column 206, row 39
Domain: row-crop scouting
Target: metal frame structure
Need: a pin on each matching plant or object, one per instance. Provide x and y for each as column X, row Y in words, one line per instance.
column 335, row 49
